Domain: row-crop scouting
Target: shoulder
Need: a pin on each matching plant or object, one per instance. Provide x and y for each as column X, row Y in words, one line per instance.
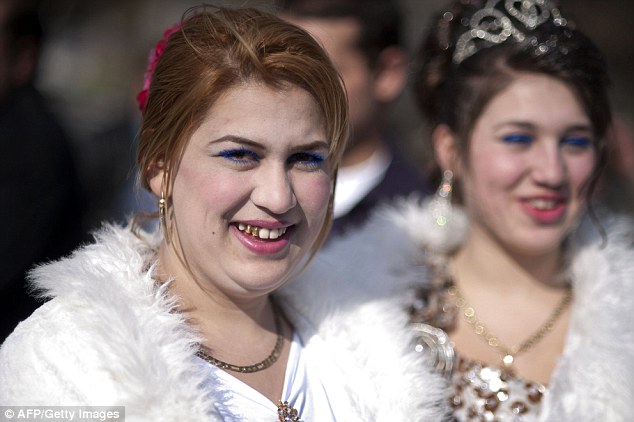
column 601, row 267
column 45, row 359
column 109, row 335
column 594, row 378
column 117, row 261
column 71, row 353
column 601, row 256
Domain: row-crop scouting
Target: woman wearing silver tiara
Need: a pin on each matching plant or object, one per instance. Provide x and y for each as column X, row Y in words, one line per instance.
column 532, row 282
column 528, row 287
column 244, row 124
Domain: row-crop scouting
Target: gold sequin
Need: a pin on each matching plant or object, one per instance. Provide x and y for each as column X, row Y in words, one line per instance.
column 483, row 393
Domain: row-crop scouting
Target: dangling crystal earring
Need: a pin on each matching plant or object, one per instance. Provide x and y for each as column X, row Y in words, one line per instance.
column 442, row 209
column 445, row 226
column 162, row 209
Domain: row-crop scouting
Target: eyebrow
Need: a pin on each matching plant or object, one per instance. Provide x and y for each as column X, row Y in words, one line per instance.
column 528, row 125
column 311, row 145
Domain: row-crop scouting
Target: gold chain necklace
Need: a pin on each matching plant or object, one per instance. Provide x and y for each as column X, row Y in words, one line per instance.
column 260, row 366
column 508, row 353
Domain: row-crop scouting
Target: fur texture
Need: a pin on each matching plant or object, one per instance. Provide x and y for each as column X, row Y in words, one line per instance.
column 594, row 378
column 110, row 336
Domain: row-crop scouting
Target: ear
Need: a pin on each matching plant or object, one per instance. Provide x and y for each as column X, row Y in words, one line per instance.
column 391, row 74
column 446, row 149
column 155, row 174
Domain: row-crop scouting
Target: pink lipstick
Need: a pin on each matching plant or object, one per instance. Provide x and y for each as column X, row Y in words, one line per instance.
column 545, row 209
column 262, row 237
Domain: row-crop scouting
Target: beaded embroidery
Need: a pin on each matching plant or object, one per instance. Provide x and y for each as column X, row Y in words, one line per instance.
column 484, row 393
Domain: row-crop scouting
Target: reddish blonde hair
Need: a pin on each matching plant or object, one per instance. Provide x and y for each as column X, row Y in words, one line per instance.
column 219, row 48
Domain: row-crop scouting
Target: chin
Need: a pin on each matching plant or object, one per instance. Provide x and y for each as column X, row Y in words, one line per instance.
column 536, row 241
column 539, row 247
column 264, row 279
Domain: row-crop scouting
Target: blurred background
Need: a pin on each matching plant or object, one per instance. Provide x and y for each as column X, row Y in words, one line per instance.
column 95, row 53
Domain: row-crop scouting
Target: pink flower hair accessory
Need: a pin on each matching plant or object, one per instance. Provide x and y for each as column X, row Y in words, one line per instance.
column 153, row 58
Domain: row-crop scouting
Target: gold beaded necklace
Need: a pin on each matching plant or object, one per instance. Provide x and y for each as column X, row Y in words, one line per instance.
column 507, row 354
column 260, row 366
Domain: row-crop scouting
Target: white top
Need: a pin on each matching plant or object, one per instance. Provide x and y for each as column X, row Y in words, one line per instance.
column 355, row 182
column 303, row 390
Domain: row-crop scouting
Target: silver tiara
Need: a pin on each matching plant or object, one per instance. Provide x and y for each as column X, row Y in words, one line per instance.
column 494, row 25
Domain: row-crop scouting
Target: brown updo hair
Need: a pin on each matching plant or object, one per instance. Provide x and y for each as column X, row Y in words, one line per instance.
column 455, row 94
column 219, row 48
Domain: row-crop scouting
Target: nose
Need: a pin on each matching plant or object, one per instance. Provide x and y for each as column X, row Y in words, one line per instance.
column 549, row 165
column 273, row 189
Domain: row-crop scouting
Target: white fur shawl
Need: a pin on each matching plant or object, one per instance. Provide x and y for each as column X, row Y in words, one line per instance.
column 110, row 336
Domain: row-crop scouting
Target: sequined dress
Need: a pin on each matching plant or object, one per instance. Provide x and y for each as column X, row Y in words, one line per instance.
column 479, row 392
column 486, row 393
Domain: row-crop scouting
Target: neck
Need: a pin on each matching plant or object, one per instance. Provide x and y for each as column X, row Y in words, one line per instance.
column 239, row 331
column 207, row 308
column 484, row 261
column 514, row 296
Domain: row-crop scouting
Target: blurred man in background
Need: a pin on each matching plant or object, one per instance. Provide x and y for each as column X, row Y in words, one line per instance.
column 364, row 41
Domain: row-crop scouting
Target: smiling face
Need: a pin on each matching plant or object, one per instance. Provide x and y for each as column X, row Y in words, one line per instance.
column 530, row 157
column 251, row 192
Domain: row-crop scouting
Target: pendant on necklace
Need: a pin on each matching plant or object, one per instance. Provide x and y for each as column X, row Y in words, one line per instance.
column 287, row 413
column 508, row 361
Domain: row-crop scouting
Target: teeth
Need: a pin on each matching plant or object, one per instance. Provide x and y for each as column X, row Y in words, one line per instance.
column 543, row 204
column 261, row 232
